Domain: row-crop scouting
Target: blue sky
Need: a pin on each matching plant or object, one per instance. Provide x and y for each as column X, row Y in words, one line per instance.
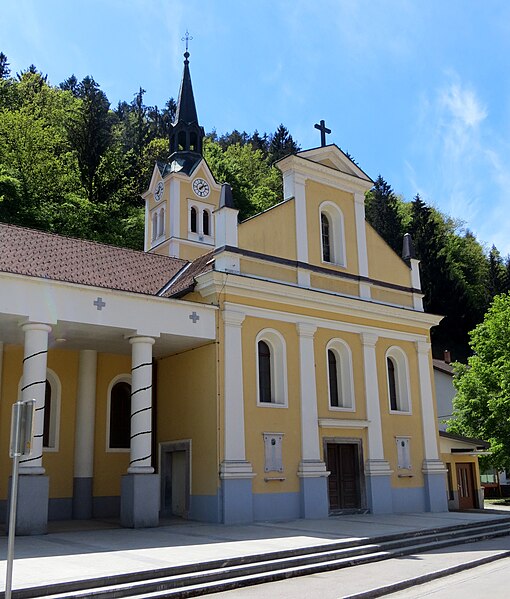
column 416, row 91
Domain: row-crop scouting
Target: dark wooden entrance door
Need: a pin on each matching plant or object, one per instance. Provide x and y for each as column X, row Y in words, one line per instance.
column 466, row 486
column 344, row 480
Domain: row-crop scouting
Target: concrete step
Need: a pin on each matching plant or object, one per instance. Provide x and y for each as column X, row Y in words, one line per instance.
column 198, row 579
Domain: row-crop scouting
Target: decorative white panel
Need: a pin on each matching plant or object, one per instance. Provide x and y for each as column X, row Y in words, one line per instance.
column 273, row 452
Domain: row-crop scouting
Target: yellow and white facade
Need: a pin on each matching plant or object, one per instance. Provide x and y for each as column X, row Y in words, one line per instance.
column 283, row 370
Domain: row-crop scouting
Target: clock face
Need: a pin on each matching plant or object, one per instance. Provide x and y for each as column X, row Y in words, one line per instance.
column 201, row 188
column 158, row 194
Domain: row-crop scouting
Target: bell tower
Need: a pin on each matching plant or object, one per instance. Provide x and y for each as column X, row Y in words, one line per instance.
column 186, row 135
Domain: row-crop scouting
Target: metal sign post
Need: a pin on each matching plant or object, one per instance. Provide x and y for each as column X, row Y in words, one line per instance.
column 22, row 423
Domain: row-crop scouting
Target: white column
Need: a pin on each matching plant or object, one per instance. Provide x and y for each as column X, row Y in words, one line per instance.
column 361, row 238
column 141, row 405
column 85, row 415
column 376, row 462
column 35, row 356
column 234, row 464
column 310, row 444
column 427, row 403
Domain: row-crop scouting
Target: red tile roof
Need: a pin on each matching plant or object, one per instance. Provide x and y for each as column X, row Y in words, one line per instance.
column 185, row 282
column 46, row 255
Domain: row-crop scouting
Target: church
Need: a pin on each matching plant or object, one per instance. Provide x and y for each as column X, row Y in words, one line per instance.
column 271, row 369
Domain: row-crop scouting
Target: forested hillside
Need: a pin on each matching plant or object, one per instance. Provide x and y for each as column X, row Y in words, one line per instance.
column 71, row 163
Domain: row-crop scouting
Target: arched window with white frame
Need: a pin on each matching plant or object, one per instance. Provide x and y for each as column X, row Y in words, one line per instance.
column 332, row 234
column 154, row 226
column 206, row 217
column 52, row 406
column 340, row 375
column 161, row 226
column 397, row 371
column 271, row 369
column 193, row 220
column 119, row 414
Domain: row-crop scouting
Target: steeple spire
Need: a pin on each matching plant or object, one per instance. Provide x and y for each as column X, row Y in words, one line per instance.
column 186, row 134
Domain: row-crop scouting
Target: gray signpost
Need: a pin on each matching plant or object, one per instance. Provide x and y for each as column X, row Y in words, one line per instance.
column 22, row 434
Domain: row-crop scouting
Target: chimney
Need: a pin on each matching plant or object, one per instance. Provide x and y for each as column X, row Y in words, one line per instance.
column 226, row 232
column 447, row 356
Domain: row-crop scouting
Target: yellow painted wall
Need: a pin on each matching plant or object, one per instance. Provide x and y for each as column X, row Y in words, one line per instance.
column 383, row 263
column 401, row 425
column 191, row 252
column 316, row 194
column 270, row 419
column 336, row 285
column 109, row 465
column 268, row 270
column 188, row 409
column 272, row 232
column 389, row 296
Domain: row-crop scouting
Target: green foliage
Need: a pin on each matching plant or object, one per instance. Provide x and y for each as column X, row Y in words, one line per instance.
column 383, row 213
column 256, row 185
column 482, row 403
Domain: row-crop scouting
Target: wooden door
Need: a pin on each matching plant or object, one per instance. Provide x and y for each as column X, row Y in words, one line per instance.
column 343, row 482
column 466, row 486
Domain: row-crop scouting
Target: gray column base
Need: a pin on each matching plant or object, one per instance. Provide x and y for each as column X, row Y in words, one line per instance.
column 314, row 497
column 82, row 498
column 237, row 500
column 379, row 494
column 139, row 500
column 436, row 495
column 32, row 508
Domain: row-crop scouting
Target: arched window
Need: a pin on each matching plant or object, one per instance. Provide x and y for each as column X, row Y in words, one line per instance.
column 47, row 415
column 271, row 369
column 161, row 228
column 392, row 384
column 120, row 415
column 264, row 372
column 326, row 241
column 398, row 380
column 193, row 220
column 154, row 226
column 181, row 140
column 332, row 234
column 205, row 222
column 193, row 142
column 340, row 375
column 333, row 379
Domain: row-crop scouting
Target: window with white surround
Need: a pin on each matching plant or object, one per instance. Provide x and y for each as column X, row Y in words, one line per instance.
column 271, row 369
column 200, row 221
column 118, row 430
column 52, row 405
column 340, row 376
column 403, row 453
column 331, row 221
column 397, row 371
column 158, row 224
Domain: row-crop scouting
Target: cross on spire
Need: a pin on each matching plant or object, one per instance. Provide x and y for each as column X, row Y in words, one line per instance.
column 187, row 38
column 323, row 129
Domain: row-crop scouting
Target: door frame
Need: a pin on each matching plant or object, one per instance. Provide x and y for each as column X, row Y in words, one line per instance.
column 361, row 470
column 167, row 447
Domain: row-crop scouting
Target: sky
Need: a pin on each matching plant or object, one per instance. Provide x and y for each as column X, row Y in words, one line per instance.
column 416, row 91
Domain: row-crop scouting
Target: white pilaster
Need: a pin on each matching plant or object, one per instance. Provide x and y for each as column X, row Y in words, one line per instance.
column 35, row 354
column 311, row 463
column 234, row 464
column 361, row 239
column 294, row 186
column 225, row 220
column 431, row 457
column 416, row 284
column 141, row 405
column 376, row 463
column 85, row 415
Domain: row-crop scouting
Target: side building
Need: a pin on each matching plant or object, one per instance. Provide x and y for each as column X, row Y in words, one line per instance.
column 276, row 368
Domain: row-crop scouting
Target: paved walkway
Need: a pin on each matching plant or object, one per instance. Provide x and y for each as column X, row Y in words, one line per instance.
column 98, row 549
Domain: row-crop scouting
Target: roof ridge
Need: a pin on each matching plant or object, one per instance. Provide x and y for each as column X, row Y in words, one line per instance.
column 89, row 241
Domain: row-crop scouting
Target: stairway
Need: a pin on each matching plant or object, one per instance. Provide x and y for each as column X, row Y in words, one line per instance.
column 194, row 580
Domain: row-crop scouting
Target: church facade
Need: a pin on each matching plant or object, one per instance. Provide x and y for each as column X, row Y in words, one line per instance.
column 270, row 369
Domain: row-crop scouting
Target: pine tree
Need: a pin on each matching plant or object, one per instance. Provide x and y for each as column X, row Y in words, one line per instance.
column 281, row 144
column 5, row 71
column 381, row 208
column 498, row 276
